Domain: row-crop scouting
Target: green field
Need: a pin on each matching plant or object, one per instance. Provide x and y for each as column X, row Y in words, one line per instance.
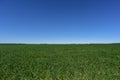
column 60, row 62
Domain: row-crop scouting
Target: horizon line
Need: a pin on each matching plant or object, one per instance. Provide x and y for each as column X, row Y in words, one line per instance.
column 64, row 43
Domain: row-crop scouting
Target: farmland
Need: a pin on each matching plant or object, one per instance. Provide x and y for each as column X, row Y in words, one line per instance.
column 59, row 61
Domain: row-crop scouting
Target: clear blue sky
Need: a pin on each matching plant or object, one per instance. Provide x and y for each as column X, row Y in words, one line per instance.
column 59, row 21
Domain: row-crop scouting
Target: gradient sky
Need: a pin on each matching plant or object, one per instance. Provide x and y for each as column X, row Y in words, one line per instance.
column 59, row 21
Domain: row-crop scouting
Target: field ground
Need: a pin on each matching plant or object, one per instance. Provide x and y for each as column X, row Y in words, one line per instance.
column 60, row 62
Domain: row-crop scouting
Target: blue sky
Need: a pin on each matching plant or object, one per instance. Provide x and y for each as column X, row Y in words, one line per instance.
column 59, row 21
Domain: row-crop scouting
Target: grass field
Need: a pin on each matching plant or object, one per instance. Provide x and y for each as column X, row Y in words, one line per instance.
column 60, row 62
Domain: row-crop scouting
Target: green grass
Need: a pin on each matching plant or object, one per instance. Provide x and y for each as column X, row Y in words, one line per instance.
column 60, row 62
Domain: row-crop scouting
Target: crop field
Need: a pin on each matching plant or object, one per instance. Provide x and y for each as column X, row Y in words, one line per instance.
column 59, row 61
